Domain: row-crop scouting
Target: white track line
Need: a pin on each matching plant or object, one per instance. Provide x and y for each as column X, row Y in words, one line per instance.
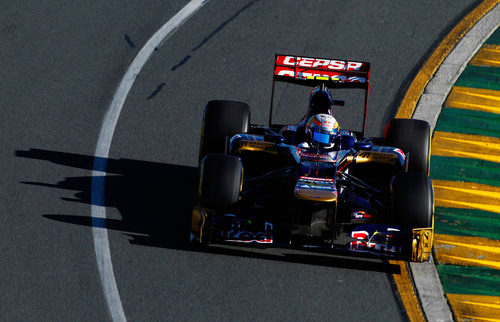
column 98, row 210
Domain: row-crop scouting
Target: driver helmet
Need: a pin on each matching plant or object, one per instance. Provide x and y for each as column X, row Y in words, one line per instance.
column 321, row 101
column 321, row 129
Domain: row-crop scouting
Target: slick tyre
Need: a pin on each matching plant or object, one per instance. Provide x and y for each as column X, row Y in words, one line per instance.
column 413, row 137
column 412, row 200
column 221, row 178
column 222, row 120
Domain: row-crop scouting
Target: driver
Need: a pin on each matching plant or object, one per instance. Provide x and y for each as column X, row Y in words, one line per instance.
column 321, row 130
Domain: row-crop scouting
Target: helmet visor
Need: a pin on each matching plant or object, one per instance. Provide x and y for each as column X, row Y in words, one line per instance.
column 321, row 137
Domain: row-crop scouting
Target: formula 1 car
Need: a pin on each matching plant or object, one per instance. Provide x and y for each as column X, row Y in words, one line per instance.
column 260, row 186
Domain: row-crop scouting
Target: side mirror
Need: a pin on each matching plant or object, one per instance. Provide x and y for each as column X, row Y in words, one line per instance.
column 363, row 144
column 274, row 138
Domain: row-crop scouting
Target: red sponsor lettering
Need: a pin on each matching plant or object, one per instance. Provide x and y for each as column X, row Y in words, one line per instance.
column 306, row 62
column 361, row 235
column 287, row 60
column 363, row 245
column 318, row 63
column 284, row 71
column 301, row 73
column 321, row 62
column 337, row 64
column 353, row 65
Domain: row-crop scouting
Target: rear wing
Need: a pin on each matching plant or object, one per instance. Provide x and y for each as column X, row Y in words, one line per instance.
column 313, row 71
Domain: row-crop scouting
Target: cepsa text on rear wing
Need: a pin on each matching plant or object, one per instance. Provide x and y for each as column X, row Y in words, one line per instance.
column 310, row 71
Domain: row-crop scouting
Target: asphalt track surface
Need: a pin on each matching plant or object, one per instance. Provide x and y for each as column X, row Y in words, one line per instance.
column 60, row 66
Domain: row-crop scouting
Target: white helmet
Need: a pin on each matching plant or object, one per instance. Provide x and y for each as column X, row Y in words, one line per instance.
column 322, row 129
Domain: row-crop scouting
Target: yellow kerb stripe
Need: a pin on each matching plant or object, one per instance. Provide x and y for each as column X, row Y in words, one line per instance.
column 466, row 146
column 420, row 81
column 477, row 99
column 468, row 195
column 475, row 307
column 488, row 55
column 406, row 292
column 468, row 251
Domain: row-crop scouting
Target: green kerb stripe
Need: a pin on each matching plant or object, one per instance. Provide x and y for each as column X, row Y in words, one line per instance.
column 467, row 222
column 495, row 38
column 480, row 77
column 469, row 122
column 465, row 170
column 469, row 280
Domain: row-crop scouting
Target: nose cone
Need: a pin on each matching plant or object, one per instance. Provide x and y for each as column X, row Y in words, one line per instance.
column 316, row 189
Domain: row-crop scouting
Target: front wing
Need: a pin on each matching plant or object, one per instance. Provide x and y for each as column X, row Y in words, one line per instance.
column 365, row 238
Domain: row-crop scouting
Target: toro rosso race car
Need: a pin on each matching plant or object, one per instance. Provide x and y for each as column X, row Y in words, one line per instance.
column 313, row 184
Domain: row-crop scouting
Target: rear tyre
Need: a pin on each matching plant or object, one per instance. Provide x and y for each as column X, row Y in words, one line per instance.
column 221, row 178
column 412, row 200
column 411, row 136
column 222, row 120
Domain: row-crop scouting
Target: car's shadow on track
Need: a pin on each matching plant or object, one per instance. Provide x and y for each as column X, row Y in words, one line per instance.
column 154, row 199
column 155, row 203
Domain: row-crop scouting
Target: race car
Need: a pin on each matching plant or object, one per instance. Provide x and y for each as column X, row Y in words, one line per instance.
column 312, row 184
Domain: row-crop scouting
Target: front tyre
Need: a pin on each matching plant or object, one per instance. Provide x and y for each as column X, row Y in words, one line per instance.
column 221, row 178
column 413, row 137
column 413, row 207
column 219, row 189
column 412, row 200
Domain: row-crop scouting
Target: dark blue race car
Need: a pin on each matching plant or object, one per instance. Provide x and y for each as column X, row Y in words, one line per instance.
column 313, row 184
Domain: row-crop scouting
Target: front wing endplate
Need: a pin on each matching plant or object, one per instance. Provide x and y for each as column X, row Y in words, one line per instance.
column 421, row 244
column 198, row 219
